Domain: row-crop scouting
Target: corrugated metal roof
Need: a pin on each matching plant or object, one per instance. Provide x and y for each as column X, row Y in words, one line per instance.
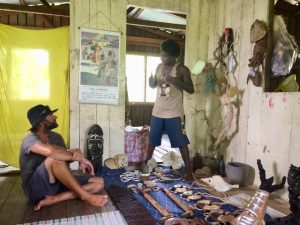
column 160, row 16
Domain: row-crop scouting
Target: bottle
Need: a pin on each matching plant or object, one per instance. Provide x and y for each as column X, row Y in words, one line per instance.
column 222, row 166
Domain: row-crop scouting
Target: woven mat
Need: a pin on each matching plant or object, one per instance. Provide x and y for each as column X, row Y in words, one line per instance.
column 112, row 177
column 105, row 218
column 134, row 212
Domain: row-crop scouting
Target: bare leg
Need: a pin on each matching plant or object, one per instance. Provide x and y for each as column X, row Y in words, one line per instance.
column 95, row 185
column 186, row 158
column 62, row 172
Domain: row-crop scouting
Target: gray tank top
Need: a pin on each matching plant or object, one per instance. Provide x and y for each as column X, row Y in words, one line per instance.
column 169, row 100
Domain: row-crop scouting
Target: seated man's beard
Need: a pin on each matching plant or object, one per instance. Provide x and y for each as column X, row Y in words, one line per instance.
column 51, row 126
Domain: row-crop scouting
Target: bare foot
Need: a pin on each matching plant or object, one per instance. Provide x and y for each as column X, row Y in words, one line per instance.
column 188, row 177
column 49, row 200
column 96, row 200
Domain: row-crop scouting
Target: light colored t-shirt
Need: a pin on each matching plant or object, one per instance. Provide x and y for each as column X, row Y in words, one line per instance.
column 170, row 105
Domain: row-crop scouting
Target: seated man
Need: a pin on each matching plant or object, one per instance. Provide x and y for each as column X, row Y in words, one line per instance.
column 46, row 177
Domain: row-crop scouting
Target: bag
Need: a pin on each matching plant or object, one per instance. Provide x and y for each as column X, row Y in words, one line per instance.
column 136, row 145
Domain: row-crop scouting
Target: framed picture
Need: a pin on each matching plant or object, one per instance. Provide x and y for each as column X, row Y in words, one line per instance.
column 99, row 66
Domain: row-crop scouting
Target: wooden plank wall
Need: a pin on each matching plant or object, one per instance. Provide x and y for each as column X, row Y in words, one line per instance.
column 107, row 15
column 133, row 31
column 98, row 15
column 140, row 114
column 267, row 122
column 263, row 132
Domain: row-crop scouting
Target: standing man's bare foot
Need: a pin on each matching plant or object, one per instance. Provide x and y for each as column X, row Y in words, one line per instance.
column 96, row 200
column 188, row 176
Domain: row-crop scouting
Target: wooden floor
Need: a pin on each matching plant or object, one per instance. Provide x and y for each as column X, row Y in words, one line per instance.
column 16, row 209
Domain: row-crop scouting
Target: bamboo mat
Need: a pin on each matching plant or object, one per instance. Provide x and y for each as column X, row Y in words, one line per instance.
column 105, row 218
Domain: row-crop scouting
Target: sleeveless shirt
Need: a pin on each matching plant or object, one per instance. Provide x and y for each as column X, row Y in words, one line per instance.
column 169, row 106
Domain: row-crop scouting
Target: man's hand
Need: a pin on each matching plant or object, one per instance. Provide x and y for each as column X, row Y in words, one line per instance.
column 176, row 81
column 152, row 81
column 86, row 165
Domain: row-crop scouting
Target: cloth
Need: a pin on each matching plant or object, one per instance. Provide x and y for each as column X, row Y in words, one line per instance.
column 38, row 186
column 174, row 130
column 171, row 105
column 34, row 69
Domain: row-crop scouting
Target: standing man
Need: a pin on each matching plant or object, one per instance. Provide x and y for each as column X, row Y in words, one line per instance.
column 171, row 79
column 45, row 173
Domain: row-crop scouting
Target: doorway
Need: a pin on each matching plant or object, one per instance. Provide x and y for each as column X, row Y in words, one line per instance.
column 147, row 28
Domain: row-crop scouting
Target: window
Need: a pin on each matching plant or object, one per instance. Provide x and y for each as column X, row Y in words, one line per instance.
column 138, row 70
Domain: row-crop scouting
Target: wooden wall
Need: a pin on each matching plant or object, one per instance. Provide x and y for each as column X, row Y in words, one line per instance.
column 263, row 131
column 267, row 122
column 107, row 15
column 140, row 114
column 133, row 31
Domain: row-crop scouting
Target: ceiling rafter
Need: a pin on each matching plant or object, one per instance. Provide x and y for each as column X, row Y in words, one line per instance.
column 46, row 20
column 137, row 13
column 22, row 2
column 45, row 3
column 145, row 23
column 133, row 40
column 130, row 9
column 34, row 9
column 161, row 33
column 5, row 13
column 179, row 15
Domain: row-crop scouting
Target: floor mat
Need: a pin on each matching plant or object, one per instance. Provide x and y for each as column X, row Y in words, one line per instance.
column 105, row 218
column 6, row 169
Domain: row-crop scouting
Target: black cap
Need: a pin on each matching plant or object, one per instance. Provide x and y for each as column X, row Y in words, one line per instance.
column 37, row 113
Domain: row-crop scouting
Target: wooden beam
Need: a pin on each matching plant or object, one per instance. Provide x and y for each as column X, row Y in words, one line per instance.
column 22, row 2
column 160, row 33
column 5, row 13
column 179, row 15
column 130, row 9
column 47, row 21
column 137, row 13
column 133, row 40
column 45, row 3
column 34, row 9
column 145, row 23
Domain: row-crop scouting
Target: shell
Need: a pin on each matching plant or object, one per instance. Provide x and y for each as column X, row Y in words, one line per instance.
column 211, row 207
column 180, row 190
column 194, row 197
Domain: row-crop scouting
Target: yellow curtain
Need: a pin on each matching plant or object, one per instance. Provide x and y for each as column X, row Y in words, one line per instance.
column 34, row 69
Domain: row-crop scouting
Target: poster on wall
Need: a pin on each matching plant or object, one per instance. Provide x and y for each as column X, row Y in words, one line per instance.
column 99, row 66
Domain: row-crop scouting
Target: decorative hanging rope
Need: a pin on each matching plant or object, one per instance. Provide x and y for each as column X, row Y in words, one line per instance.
column 106, row 17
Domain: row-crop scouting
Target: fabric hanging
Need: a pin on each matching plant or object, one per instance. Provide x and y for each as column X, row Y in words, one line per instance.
column 34, row 69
